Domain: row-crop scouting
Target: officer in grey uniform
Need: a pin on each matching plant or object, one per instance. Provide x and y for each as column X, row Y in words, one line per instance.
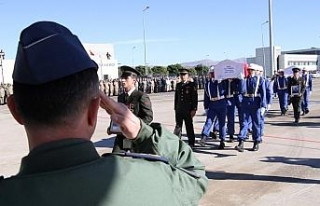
column 59, row 114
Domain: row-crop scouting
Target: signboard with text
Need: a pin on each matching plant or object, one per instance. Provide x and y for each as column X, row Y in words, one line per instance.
column 229, row 69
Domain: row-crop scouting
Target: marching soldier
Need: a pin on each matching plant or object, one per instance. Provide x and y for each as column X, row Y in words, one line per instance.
column 216, row 106
column 280, row 86
column 306, row 95
column 138, row 102
column 185, row 105
column 296, row 89
column 253, row 105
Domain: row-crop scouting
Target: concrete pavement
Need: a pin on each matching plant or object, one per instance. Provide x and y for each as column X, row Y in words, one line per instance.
column 285, row 171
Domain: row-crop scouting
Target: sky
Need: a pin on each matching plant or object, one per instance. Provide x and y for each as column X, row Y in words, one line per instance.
column 176, row 31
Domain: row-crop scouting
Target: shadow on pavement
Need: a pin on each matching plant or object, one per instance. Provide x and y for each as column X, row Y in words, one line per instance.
column 310, row 162
column 302, row 123
column 221, row 175
column 105, row 142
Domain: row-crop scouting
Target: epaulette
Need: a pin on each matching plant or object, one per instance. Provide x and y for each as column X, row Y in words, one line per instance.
column 148, row 157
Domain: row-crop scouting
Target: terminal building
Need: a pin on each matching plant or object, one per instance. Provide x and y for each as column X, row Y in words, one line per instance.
column 302, row 58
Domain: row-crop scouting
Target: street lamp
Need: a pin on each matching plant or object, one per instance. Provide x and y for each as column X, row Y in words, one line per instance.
column 144, row 41
column 263, row 52
column 133, row 56
column 2, row 54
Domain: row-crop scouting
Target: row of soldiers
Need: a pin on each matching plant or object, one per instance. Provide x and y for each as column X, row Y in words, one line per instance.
column 251, row 97
column 5, row 92
column 113, row 87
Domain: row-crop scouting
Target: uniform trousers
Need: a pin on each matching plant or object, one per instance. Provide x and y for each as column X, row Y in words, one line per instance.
column 185, row 116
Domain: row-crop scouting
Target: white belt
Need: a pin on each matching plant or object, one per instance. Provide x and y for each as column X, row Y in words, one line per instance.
column 216, row 98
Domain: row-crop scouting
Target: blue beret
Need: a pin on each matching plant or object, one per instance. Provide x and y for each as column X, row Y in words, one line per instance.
column 48, row 51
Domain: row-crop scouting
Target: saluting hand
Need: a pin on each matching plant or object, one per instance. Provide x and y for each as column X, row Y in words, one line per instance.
column 120, row 114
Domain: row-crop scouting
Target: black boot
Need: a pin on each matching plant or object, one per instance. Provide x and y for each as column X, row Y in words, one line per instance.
column 231, row 138
column 255, row 146
column 239, row 147
column 214, row 135
column 222, row 145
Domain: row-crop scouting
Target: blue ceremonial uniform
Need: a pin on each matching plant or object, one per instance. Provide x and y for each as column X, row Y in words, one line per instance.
column 238, row 99
column 215, row 103
column 280, row 86
column 305, row 98
column 254, row 98
column 231, row 97
column 268, row 102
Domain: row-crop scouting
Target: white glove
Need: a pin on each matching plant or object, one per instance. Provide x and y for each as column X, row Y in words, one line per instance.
column 310, row 93
column 268, row 107
column 262, row 111
column 241, row 76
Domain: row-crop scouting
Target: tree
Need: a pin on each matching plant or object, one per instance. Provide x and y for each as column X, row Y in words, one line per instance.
column 173, row 69
column 159, row 70
column 201, row 69
column 142, row 70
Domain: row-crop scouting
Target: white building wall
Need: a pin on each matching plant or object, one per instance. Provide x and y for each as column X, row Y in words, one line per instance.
column 103, row 55
column 263, row 58
column 307, row 61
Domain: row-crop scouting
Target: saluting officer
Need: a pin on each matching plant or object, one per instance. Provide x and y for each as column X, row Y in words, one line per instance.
column 216, row 106
column 306, row 95
column 137, row 101
column 253, row 105
column 280, row 86
column 296, row 88
column 185, row 105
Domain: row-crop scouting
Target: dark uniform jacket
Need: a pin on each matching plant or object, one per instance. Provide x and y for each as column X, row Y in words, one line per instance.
column 186, row 97
column 71, row 172
column 139, row 103
column 294, row 82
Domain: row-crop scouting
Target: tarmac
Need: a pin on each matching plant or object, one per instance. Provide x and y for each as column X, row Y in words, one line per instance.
column 285, row 171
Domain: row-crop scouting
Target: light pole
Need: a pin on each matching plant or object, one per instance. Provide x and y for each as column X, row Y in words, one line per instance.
column 144, row 41
column 263, row 52
column 271, row 39
column 2, row 54
column 133, row 55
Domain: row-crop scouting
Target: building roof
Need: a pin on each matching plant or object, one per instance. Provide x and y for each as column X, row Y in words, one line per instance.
column 312, row 50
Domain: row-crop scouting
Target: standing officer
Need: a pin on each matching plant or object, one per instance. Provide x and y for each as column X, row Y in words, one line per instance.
column 59, row 114
column 216, row 106
column 306, row 95
column 185, row 105
column 280, row 86
column 254, row 106
column 137, row 101
column 296, row 89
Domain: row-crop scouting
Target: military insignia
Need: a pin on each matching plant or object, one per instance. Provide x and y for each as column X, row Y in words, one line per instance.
column 131, row 107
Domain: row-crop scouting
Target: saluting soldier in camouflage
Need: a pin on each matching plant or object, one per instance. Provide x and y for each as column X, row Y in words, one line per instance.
column 63, row 167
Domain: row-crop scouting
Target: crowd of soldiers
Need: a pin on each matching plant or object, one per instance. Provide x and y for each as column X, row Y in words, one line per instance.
column 113, row 87
column 5, row 92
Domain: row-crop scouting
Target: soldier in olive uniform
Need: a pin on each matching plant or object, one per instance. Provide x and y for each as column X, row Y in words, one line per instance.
column 296, row 89
column 59, row 114
column 185, row 105
column 137, row 101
